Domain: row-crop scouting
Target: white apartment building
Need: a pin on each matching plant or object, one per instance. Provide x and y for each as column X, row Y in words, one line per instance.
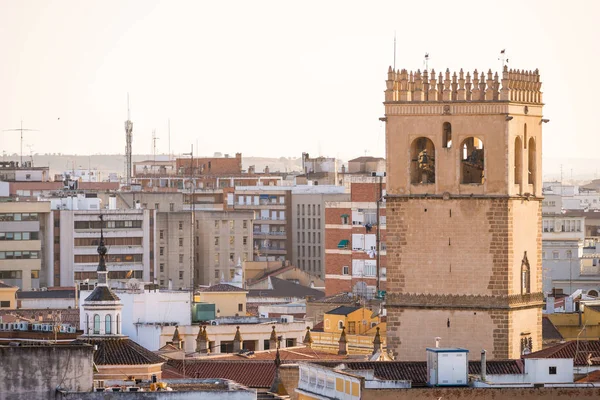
column 129, row 235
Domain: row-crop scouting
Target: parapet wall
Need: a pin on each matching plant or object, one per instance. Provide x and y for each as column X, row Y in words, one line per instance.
column 515, row 85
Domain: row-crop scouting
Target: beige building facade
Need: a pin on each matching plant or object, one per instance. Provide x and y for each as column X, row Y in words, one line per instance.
column 24, row 239
column 464, row 195
column 223, row 238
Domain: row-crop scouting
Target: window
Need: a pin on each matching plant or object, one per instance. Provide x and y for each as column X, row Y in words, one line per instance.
column 345, row 270
column 171, row 207
column 422, row 169
column 446, row 135
column 162, row 282
column 161, row 251
column 217, row 257
column 245, row 240
column 216, row 274
column 180, row 275
column 181, row 258
column 245, row 224
column 569, row 254
column 180, row 225
column 232, row 240
column 216, row 240
column 231, row 225
column 4, row 304
column 161, row 234
column 555, row 255
column 180, row 242
column 525, row 275
column 231, row 257
column 345, row 218
column 156, row 206
column 531, row 162
column 96, row 324
column 216, row 224
column 162, row 267
column 118, row 324
column 107, row 324
column 472, row 159
column 552, row 370
column 240, row 307
column 340, row 325
column 518, row 162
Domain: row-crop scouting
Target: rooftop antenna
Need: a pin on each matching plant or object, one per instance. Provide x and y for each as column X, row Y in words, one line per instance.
column 128, row 139
column 30, row 147
column 503, row 57
column 154, row 139
column 426, row 61
column 21, row 129
column 169, row 129
column 394, row 50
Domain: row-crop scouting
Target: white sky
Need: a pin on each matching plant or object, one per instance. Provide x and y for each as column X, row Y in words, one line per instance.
column 273, row 78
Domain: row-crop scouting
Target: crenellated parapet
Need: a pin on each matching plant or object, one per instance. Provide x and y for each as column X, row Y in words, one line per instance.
column 514, row 85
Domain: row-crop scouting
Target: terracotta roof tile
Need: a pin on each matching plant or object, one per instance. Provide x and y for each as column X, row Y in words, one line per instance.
column 290, row 354
column 577, row 350
column 222, row 287
column 259, row 375
column 120, row 351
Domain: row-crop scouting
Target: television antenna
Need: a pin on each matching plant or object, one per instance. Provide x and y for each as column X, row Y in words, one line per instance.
column 21, row 129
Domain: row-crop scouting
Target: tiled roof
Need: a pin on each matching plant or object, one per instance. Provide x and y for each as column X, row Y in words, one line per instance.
column 283, row 288
column 5, row 286
column 342, row 310
column 549, row 331
column 222, row 287
column 340, row 298
column 67, row 315
column 416, row 371
column 47, row 294
column 120, row 351
column 259, row 374
column 102, row 293
column 577, row 350
column 593, row 376
column 366, row 158
column 292, row 354
column 265, row 274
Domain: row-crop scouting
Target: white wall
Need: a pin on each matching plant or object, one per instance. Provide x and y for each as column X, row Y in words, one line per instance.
column 42, row 304
column 537, row 370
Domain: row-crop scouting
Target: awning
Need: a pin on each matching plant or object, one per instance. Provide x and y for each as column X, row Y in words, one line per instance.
column 345, row 216
column 343, row 244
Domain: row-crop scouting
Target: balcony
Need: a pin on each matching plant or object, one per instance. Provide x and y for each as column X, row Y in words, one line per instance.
column 272, row 250
column 269, row 220
column 270, row 235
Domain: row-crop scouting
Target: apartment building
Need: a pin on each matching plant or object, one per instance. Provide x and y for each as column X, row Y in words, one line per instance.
column 129, row 235
column 351, row 240
column 308, row 225
column 25, row 236
column 223, row 239
column 271, row 227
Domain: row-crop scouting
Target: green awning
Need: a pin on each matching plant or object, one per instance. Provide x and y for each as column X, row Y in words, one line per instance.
column 345, row 216
column 343, row 244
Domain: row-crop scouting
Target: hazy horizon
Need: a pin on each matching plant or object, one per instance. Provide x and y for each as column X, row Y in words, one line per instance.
column 272, row 78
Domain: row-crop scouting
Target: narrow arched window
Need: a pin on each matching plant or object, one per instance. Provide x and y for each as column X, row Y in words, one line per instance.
column 422, row 168
column 118, row 324
column 340, row 325
column 518, row 162
column 108, row 324
column 532, row 162
column 525, row 135
column 525, row 275
column 87, row 323
column 447, row 135
column 96, row 324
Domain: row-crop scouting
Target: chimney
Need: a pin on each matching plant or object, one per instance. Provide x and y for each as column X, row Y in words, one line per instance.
column 202, row 342
column 343, row 343
column 308, row 341
column 267, row 169
column 483, row 365
column 437, row 342
column 238, row 342
column 377, row 346
column 273, row 339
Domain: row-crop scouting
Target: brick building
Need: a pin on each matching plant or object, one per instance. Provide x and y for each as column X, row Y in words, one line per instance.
column 464, row 213
column 351, row 240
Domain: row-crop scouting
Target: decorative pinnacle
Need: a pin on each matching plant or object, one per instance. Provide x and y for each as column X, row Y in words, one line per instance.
column 101, row 247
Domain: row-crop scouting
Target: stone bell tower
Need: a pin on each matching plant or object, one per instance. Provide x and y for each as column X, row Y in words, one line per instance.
column 464, row 212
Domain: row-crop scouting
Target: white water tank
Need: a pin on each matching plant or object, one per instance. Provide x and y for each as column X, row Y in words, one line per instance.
column 447, row 366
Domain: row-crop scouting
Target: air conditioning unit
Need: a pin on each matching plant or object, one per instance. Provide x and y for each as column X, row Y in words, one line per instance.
column 23, row 326
column 46, row 327
column 63, row 329
column 72, row 329
column 2, row 327
column 37, row 327
column 10, row 327
column 287, row 318
column 214, row 322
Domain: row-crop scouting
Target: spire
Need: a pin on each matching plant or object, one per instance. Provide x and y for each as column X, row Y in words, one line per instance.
column 377, row 342
column 176, row 337
column 202, row 342
column 238, row 342
column 277, row 387
column 343, row 343
column 101, row 271
column 308, row 341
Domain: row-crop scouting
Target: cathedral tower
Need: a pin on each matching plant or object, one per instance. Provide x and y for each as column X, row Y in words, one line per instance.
column 464, row 193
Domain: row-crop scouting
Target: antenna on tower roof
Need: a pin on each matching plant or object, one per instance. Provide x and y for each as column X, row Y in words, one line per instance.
column 394, row 50
column 128, row 113
column 503, row 57
column 426, row 61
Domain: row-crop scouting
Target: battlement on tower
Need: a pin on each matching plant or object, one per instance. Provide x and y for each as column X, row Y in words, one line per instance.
column 515, row 86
